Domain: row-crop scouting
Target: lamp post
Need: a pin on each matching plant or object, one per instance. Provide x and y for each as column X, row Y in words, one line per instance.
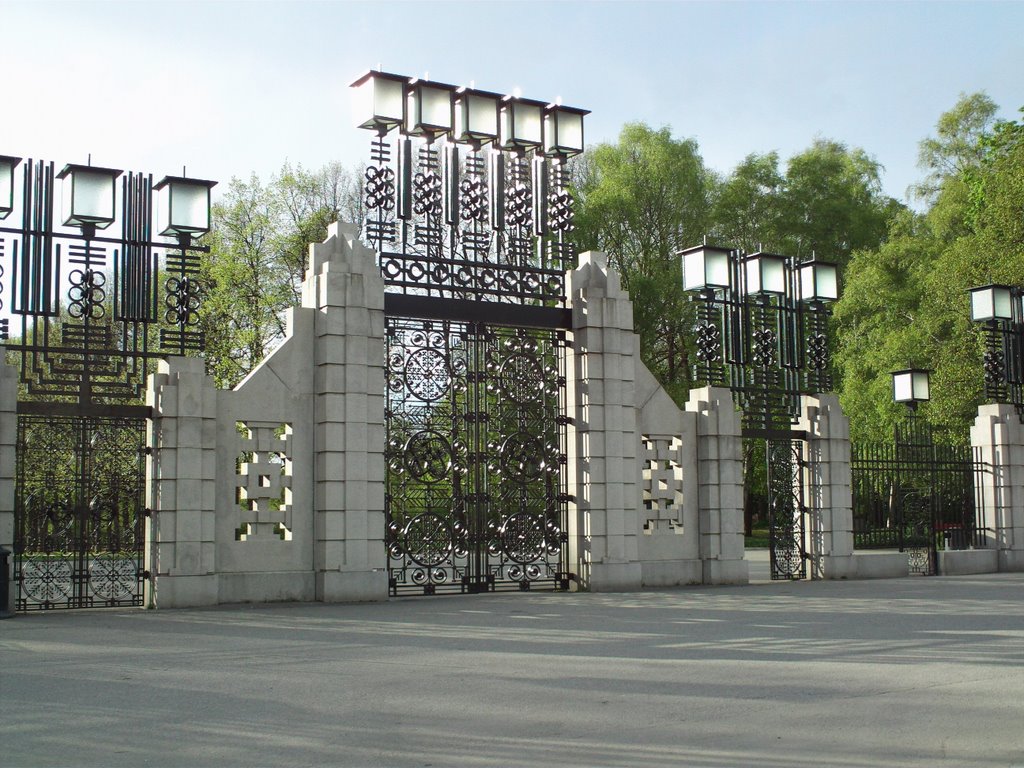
column 911, row 387
column 762, row 331
column 999, row 310
column 761, row 326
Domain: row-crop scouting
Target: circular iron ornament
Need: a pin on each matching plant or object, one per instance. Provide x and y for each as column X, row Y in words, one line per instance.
column 426, row 374
column 995, row 366
column 764, row 347
column 86, row 294
column 46, row 580
column 522, row 457
column 113, row 578
column 520, row 377
column 514, row 573
column 428, row 456
column 473, row 199
column 522, row 537
column 709, row 338
column 560, row 217
column 817, row 351
column 390, row 268
column 419, row 576
column 426, row 194
column 533, row 572
column 553, row 537
column 380, row 187
column 428, row 539
column 788, row 559
column 518, row 210
column 439, row 575
column 182, row 301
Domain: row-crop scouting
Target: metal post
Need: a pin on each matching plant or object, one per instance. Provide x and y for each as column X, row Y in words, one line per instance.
column 5, row 584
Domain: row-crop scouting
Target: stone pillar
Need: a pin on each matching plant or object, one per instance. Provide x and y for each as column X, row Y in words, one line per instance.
column 603, row 464
column 998, row 436
column 828, row 491
column 181, row 486
column 345, row 287
column 720, row 485
column 8, row 464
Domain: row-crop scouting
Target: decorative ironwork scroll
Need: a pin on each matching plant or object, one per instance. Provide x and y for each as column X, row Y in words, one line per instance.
column 786, row 511
column 79, row 512
column 476, row 494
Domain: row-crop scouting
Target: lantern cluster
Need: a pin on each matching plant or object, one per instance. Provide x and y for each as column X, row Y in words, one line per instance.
column 707, row 267
column 89, row 199
column 423, row 108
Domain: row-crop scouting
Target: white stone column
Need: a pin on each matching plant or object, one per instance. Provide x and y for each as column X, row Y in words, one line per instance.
column 828, row 491
column 603, row 464
column 345, row 287
column 181, row 486
column 999, row 437
column 8, row 463
column 720, row 485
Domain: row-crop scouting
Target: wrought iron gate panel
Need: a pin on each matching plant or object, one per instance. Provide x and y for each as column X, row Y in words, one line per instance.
column 916, row 496
column 786, row 511
column 79, row 511
column 475, row 497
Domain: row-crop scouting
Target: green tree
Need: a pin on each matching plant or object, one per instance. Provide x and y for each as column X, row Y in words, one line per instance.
column 641, row 200
column 259, row 244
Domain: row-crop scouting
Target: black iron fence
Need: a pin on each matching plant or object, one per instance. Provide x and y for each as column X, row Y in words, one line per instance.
column 917, row 496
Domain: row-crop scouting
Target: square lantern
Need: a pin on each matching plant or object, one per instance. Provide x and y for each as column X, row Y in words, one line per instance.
column 428, row 108
column 819, row 281
column 766, row 273
column 378, row 102
column 705, row 266
column 476, row 116
column 7, row 166
column 910, row 386
column 521, row 123
column 563, row 130
column 183, row 206
column 88, row 195
column 991, row 302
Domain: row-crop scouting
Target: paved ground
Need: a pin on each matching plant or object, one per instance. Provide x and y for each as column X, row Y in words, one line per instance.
column 909, row 672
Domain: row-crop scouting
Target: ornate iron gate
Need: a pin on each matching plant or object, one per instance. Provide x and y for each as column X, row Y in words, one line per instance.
column 916, row 496
column 786, row 511
column 96, row 297
column 475, row 448
column 79, row 512
column 471, row 221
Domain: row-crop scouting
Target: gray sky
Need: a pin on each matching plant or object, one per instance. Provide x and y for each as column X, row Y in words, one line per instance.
column 230, row 88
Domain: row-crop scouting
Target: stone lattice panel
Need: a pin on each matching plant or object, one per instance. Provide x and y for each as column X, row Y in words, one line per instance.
column 264, row 481
column 662, row 479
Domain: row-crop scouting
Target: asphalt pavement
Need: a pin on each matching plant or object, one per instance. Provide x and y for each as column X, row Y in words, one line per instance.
column 907, row 672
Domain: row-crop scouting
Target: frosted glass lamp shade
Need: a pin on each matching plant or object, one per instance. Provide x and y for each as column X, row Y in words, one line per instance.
column 521, row 126
column 766, row 274
column 991, row 302
column 705, row 266
column 563, row 131
column 819, row 281
column 183, row 206
column 476, row 116
column 429, row 108
column 378, row 101
column 7, row 166
column 88, row 195
column 910, row 386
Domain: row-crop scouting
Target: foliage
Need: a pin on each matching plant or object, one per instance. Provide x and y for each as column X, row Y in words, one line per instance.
column 259, row 240
column 907, row 303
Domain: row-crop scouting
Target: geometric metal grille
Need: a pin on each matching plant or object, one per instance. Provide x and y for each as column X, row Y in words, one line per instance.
column 79, row 512
column 916, row 496
column 476, row 498
column 786, row 511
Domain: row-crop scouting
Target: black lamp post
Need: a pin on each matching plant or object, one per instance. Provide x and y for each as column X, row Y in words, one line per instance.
column 999, row 309
column 761, row 326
